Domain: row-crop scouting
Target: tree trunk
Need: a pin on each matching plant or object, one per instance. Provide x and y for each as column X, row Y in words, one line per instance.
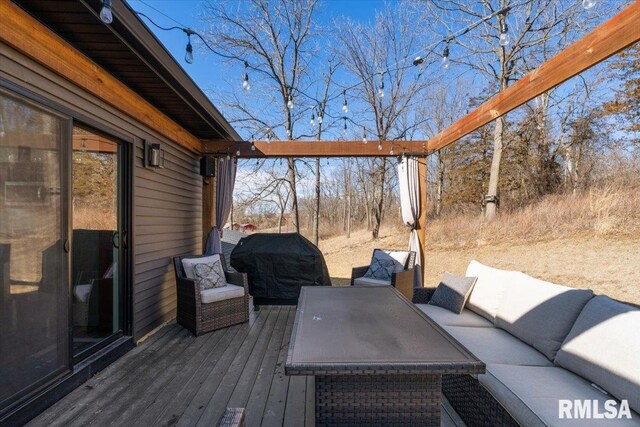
column 379, row 200
column 494, row 176
column 295, row 215
column 440, row 184
column 316, row 213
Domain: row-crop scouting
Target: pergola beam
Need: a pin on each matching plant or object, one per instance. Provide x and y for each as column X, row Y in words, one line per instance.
column 300, row 148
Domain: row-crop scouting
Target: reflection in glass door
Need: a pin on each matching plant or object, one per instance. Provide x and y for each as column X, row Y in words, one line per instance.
column 97, row 240
column 34, row 337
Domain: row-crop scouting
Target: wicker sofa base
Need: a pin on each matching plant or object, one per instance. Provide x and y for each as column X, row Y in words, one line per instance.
column 473, row 403
column 378, row 400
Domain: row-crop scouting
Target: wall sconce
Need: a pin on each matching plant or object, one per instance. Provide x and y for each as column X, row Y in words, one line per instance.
column 154, row 155
column 207, row 166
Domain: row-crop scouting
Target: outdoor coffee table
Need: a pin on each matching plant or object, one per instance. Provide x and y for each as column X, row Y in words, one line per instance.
column 376, row 358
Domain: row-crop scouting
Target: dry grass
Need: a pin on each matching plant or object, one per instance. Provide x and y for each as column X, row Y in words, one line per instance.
column 586, row 241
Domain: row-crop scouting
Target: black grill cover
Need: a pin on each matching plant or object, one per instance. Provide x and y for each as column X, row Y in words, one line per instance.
column 277, row 265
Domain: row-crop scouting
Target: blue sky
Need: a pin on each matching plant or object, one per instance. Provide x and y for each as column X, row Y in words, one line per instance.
column 205, row 70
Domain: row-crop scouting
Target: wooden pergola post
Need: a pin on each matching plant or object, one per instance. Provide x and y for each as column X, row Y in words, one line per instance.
column 208, row 207
column 422, row 220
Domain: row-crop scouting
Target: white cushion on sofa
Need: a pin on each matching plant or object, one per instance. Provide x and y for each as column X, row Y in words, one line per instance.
column 221, row 294
column 493, row 345
column 489, row 288
column 370, row 281
column 540, row 313
column 189, row 263
column 531, row 394
column 442, row 316
column 604, row 347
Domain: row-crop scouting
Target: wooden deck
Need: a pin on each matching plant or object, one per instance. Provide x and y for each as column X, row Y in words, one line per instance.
column 174, row 378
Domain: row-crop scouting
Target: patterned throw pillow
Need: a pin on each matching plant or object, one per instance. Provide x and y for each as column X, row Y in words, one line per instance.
column 209, row 275
column 381, row 268
column 452, row 292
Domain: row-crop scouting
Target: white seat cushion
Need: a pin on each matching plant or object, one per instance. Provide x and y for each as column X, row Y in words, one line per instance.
column 221, row 294
column 492, row 345
column 442, row 316
column 540, row 313
column 489, row 289
column 370, row 281
column 604, row 347
column 531, row 394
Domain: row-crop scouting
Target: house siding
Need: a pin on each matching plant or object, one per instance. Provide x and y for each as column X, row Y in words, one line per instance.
column 167, row 203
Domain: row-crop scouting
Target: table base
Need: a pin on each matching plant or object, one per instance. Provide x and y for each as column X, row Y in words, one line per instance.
column 378, row 400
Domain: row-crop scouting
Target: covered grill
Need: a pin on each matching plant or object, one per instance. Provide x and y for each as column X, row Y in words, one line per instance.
column 278, row 265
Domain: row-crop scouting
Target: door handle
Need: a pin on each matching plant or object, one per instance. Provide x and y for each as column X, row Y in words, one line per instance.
column 113, row 240
column 125, row 243
column 65, row 245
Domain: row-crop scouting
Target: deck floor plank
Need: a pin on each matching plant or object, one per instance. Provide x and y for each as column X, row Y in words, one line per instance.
column 174, row 378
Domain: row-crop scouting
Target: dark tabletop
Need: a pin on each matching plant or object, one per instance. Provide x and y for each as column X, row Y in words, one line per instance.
column 370, row 330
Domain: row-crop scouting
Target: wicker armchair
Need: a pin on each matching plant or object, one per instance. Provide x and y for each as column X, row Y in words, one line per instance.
column 201, row 318
column 402, row 281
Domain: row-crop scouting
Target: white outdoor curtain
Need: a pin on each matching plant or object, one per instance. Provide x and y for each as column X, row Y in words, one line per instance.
column 409, row 180
column 225, row 181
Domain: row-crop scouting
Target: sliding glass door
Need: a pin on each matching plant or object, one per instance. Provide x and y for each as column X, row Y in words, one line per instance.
column 34, row 314
column 63, row 188
column 98, row 240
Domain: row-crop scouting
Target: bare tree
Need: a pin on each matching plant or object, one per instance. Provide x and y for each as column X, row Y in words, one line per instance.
column 380, row 56
column 275, row 42
column 533, row 27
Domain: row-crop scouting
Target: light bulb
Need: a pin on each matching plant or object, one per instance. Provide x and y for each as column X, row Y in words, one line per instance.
column 379, row 146
column 245, row 82
column 504, row 39
column 253, row 147
column 364, row 139
column 445, row 62
column 238, row 153
column 313, row 120
column 345, row 109
column 391, row 152
column 588, row 4
column 290, row 103
column 319, row 119
column 106, row 15
column 380, row 92
column 188, row 57
column 228, row 156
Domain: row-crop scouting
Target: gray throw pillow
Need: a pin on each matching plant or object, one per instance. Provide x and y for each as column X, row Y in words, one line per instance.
column 452, row 292
column 382, row 267
column 209, row 275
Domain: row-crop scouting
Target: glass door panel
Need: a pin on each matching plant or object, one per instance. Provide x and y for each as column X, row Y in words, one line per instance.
column 34, row 337
column 96, row 240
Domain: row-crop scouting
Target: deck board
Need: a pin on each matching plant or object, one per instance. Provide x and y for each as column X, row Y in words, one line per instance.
column 174, row 378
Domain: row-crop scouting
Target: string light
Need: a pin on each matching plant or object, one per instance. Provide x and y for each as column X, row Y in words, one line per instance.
column 588, row 4
column 238, row 152
column 106, row 14
column 188, row 56
column 445, row 57
column 379, row 146
column 504, row 35
column 228, row 156
column 381, row 88
column 319, row 117
column 245, row 79
column 344, row 129
column 364, row 135
column 391, row 151
column 313, row 119
column 290, row 103
column 345, row 109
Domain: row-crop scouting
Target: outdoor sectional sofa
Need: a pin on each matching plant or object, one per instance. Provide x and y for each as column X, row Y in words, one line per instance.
column 544, row 346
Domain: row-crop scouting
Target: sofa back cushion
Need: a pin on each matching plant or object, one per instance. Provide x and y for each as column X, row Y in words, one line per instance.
column 489, row 289
column 604, row 347
column 540, row 313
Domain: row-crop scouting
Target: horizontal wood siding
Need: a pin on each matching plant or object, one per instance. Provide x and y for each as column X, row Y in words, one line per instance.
column 167, row 202
column 168, row 218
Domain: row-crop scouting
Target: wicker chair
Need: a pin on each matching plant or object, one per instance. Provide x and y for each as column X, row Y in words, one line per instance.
column 201, row 318
column 403, row 281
